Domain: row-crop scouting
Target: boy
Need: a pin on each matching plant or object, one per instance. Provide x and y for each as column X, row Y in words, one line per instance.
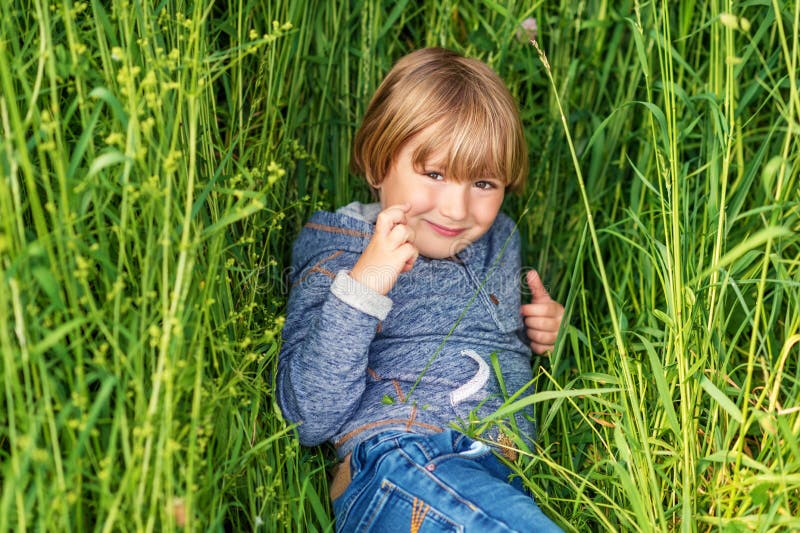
column 397, row 307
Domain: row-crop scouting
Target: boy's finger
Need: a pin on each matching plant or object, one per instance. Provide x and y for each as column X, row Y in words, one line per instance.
column 542, row 337
column 389, row 217
column 400, row 234
column 548, row 325
column 411, row 235
column 541, row 309
column 402, row 209
column 411, row 260
column 538, row 292
column 541, row 349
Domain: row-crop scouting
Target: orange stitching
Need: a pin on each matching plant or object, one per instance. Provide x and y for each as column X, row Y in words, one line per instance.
column 411, row 418
column 494, row 299
column 333, row 229
column 420, row 509
column 371, row 425
column 374, row 375
column 334, row 255
column 318, row 268
column 399, row 391
column 379, row 328
column 321, row 270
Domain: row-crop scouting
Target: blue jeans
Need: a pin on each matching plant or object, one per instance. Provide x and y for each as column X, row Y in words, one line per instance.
column 425, row 483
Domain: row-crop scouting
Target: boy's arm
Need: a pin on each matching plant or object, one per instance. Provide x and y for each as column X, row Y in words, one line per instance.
column 323, row 361
column 322, row 367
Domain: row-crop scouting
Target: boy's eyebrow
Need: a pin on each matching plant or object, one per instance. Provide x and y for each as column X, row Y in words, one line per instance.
column 434, row 164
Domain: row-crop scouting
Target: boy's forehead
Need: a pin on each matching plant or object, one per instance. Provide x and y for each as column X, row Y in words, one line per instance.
column 430, row 151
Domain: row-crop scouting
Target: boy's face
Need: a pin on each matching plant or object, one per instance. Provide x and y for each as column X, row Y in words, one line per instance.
column 446, row 215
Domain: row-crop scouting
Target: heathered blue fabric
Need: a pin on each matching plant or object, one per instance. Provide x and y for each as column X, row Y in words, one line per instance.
column 341, row 369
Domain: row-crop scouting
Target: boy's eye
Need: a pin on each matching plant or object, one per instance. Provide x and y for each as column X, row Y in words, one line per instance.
column 485, row 185
column 435, row 175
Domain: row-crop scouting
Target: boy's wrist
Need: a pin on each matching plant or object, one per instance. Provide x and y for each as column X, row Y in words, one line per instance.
column 360, row 296
column 378, row 278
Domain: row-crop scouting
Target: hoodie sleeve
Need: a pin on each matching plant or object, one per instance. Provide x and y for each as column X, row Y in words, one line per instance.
column 331, row 321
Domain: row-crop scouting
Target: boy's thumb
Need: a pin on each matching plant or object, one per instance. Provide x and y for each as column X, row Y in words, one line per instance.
column 538, row 292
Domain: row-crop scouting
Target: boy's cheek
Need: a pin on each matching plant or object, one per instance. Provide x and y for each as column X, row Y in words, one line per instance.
column 421, row 201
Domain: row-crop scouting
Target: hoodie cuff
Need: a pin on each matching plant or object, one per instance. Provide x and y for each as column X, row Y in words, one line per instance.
column 360, row 296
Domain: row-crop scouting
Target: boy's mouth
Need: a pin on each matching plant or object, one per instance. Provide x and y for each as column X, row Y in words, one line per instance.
column 444, row 230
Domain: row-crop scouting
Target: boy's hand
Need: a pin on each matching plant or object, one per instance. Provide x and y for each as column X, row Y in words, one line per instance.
column 542, row 316
column 390, row 252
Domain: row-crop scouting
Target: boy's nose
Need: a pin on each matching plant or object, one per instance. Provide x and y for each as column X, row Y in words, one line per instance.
column 454, row 202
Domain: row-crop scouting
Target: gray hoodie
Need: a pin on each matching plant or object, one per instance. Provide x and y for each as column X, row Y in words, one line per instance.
column 354, row 362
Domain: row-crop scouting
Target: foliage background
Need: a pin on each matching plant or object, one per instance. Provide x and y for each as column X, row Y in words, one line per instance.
column 157, row 160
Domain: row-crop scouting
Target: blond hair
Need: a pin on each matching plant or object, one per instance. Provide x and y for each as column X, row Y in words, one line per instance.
column 469, row 110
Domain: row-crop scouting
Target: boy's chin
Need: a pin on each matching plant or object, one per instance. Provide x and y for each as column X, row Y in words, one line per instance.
column 443, row 252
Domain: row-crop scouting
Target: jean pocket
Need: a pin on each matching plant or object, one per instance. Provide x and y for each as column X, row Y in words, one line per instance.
column 391, row 508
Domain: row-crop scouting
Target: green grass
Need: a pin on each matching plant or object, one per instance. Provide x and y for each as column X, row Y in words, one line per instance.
column 157, row 161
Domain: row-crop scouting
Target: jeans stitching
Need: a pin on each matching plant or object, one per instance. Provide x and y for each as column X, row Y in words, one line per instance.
column 451, row 491
column 446, row 487
column 436, row 514
column 384, row 495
